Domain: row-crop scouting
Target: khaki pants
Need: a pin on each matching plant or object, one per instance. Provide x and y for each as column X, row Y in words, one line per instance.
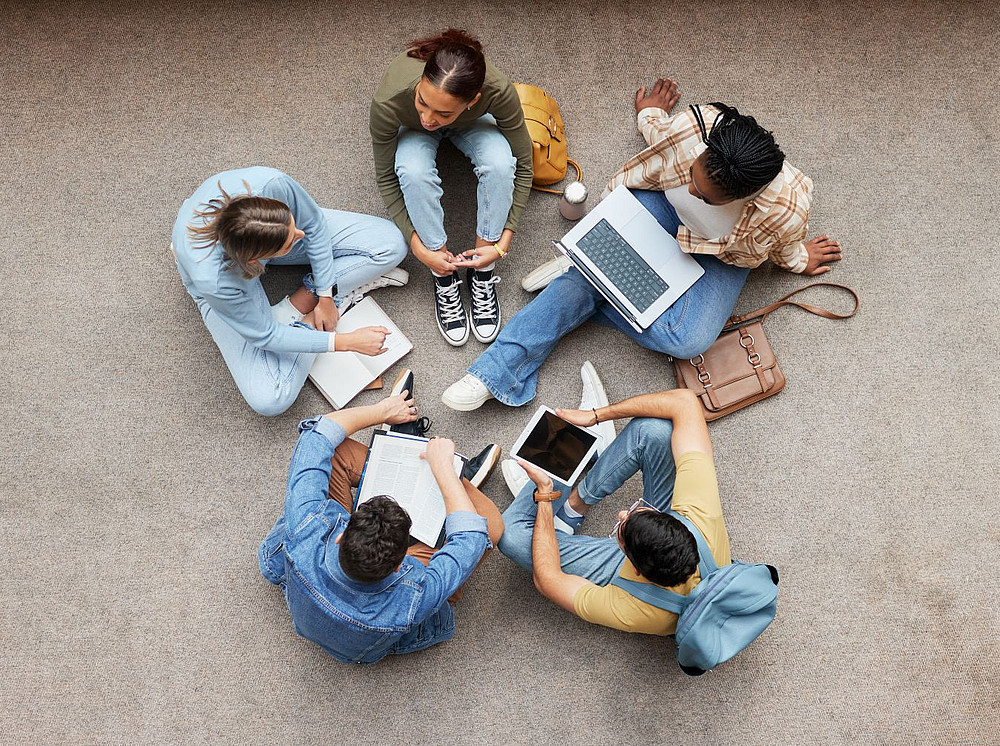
column 349, row 460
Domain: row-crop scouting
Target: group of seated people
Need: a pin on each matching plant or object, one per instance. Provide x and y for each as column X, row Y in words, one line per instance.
column 353, row 581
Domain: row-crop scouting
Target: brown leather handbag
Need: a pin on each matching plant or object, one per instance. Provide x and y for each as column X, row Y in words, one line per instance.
column 740, row 367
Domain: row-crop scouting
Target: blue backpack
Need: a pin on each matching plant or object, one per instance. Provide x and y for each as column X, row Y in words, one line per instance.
column 723, row 614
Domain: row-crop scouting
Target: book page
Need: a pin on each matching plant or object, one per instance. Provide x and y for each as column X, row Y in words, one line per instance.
column 395, row 469
column 340, row 376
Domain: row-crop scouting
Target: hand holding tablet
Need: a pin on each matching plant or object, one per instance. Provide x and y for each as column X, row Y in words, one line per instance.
column 557, row 447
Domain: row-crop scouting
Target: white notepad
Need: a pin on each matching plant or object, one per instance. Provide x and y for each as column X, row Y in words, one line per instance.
column 340, row 376
column 394, row 468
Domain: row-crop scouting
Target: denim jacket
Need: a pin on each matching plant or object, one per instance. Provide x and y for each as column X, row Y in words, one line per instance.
column 359, row 622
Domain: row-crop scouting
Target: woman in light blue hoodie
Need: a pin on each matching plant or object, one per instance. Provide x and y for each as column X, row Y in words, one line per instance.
column 239, row 221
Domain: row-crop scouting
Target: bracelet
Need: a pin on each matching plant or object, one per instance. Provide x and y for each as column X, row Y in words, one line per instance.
column 500, row 251
column 546, row 497
column 596, row 419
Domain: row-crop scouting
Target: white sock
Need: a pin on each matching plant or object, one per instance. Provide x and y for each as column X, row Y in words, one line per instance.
column 570, row 513
column 488, row 268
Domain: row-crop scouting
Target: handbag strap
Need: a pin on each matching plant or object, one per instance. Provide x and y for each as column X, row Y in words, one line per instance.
column 579, row 177
column 736, row 320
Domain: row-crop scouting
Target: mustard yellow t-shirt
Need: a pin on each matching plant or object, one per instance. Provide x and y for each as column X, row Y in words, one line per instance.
column 696, row 497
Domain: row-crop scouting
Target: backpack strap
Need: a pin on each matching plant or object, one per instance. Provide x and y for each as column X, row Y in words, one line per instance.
column 706, row 562
column 663, row 598
column 654, row 595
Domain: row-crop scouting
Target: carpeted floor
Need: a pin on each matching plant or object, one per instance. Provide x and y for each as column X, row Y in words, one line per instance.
column 137, row 484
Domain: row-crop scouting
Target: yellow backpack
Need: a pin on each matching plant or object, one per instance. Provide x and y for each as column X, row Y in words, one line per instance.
column 548, row 137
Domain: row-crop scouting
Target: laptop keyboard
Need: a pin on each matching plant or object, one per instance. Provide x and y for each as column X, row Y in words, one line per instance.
column 622, row 265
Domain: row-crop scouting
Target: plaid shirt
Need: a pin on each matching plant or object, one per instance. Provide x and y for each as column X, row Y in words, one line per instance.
column 772, row 225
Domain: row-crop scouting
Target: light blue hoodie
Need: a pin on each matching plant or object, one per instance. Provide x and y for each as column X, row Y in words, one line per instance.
column 232, row 296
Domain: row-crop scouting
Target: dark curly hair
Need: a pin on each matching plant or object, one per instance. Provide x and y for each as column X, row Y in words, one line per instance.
column 375, row 540
column 661, row 547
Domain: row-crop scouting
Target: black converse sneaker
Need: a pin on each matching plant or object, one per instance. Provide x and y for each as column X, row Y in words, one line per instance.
column 452, row 318
column 485, row 304
column 420, row 426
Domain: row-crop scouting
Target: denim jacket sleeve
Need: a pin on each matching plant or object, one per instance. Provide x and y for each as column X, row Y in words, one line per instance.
column 309, row 472
column 465, row 543
column 309, row 219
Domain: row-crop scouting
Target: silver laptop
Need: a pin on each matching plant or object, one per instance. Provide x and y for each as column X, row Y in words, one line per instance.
column 630, row 258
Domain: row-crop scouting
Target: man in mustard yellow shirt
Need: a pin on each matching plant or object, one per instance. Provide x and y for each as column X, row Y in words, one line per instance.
column 668, row 441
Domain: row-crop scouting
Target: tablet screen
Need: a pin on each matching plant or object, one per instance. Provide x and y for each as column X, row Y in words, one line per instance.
column 556, row 446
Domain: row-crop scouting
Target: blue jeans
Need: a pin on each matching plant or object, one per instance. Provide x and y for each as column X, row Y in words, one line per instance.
column 363, row 248
column 643, row 444
column 493, row 164
column 509, row 367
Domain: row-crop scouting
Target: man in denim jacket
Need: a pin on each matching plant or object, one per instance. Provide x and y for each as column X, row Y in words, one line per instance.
column 350, row 583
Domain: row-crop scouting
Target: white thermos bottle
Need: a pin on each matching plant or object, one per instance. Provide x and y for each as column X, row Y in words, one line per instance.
column 573, row 204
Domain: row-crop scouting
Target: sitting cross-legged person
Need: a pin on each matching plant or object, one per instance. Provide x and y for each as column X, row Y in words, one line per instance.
column 731, row 200
column 353, row 583
column 668, row 441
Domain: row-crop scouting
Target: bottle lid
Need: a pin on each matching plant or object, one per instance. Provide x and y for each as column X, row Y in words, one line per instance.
column 575, row 193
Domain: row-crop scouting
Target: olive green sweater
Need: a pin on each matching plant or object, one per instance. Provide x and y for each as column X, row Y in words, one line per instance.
column 393, row 107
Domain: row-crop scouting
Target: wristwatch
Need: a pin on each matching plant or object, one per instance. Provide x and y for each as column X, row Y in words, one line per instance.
column 546, row 497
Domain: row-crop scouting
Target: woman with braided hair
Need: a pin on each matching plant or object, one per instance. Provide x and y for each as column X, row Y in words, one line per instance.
column 717, row 181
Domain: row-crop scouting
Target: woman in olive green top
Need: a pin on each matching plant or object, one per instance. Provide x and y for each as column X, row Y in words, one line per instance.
column 443, row 87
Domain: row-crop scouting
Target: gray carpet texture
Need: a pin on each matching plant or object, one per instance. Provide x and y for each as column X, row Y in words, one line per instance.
column 137, row 483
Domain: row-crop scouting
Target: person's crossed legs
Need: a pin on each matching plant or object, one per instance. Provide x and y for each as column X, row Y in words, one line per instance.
column 644, row 444
column 509, row 367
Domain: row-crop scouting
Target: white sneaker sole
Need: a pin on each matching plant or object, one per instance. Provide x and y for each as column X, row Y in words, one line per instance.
column 541, row 276
column 496, row 331
column 604, row 430
column 484, row 471
column 514, row 476
column 454, row 342
column 465, row 406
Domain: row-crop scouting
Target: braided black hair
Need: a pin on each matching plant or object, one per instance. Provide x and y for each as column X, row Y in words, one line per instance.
column 742, row 156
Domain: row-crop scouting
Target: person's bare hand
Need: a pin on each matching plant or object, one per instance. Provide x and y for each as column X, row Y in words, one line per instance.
column 325, row 315
column 543, row 482
column 441, row 261
column 477, row 258
column 368, row 340
column 399, row 409
column 822, row 251
column 663, row 95
column 440, row 455
column 580, row 417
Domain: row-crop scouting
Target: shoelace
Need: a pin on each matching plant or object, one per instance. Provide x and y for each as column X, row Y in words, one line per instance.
column 483, row 297
column 379, row 282
column 421, row 425
column 450, row 302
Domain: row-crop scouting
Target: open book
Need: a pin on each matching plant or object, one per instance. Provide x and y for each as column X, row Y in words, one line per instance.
column 394, row 468
column 339, row 376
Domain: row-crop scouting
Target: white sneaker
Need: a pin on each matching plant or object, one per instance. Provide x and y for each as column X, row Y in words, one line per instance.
column 466, row 394
column 514, row 476
column 594, row 397
column 539, row 277
column 394, row 278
